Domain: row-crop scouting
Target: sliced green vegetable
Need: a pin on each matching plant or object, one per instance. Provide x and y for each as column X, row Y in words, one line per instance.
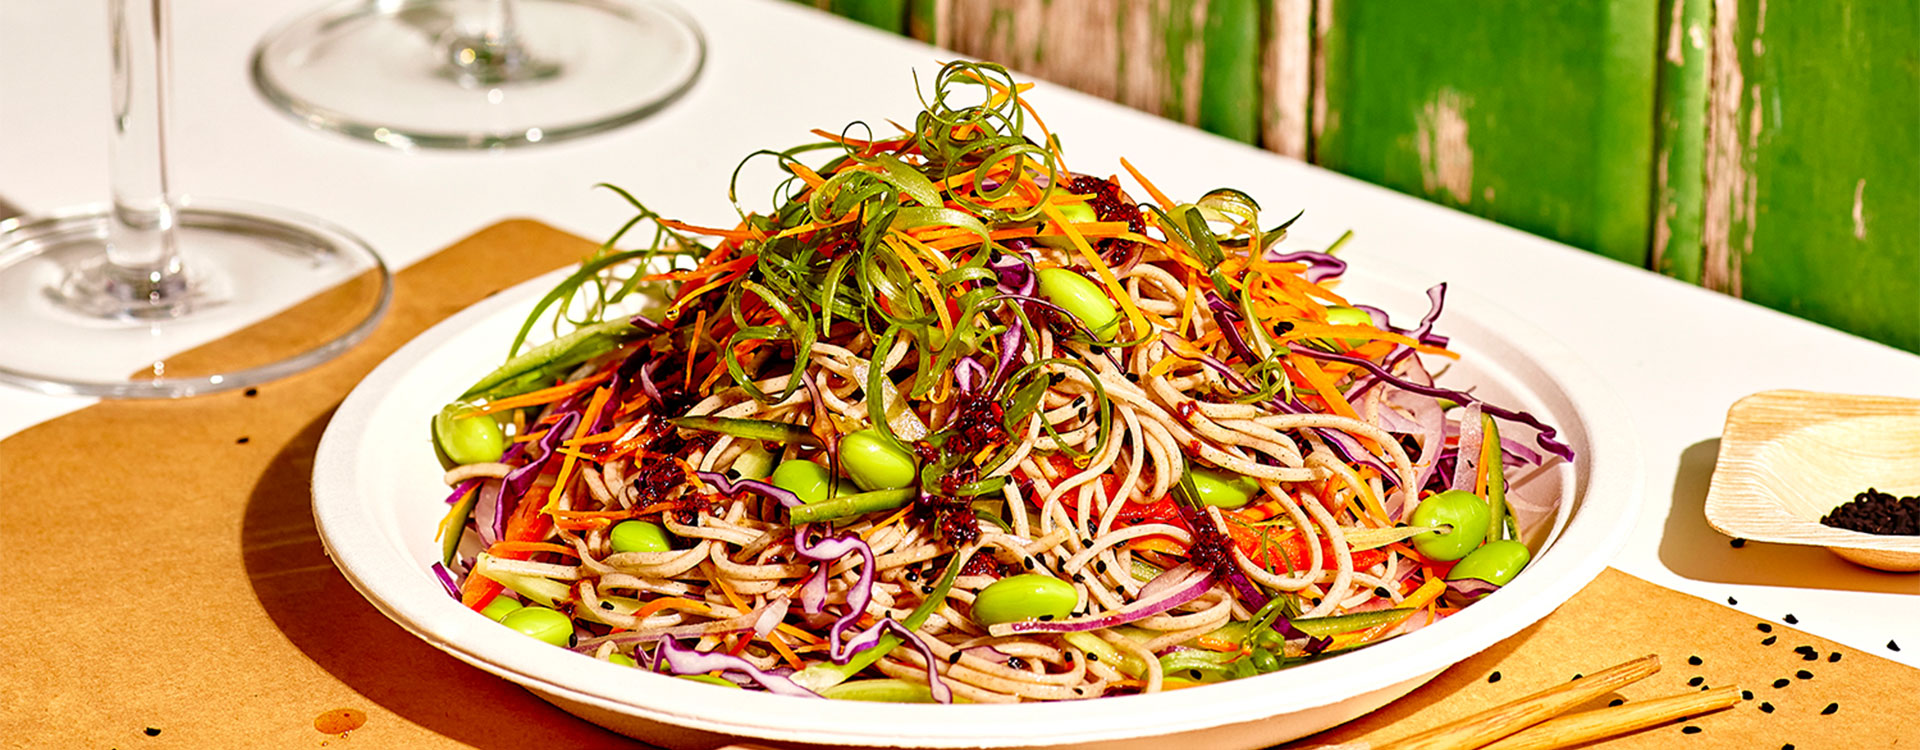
column 751, row 429
column 881, row 690
column 849, row 506
column 1324, row 627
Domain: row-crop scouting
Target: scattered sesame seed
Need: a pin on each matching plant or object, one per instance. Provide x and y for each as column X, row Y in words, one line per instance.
column 1705, row 688
column 1689, row 729
column 1099, row 566
column 1803, row 674
column 1616, row 702
column 242, row 441
column 1695, row 682
column 1194, row 673
column 1737, row 543
column 1766, row 707
column 1732, row 601
column 954, row 658
column 1746, row 695
column 1833, row 657
column 1891, row 646
column 1382, row 592
column 1694, row 660
column 1764, row 627
column 1810, row 657
column 1027, row 563
column 1802, row 649
column 1831, row 707
column 1495, row 677
column 1091, row 656
column 1788, row 746
column 1790, row 619
column 251, row 392
column 1046, row 618
column 1782, row 682
column 1576, row 677
column 151, row 732
column 1768, row 641
column 606, row 605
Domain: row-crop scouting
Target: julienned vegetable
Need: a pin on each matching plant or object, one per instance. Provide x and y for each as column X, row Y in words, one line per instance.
column 951, row 421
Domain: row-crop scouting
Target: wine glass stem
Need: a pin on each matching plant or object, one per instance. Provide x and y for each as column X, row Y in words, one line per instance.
column 143, row 261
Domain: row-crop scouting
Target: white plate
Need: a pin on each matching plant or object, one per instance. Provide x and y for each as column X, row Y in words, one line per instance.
column 377, row 499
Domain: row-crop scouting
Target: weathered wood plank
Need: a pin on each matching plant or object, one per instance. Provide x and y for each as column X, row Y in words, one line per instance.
column 1813, row 179
column 1679, row 166
column 1538, row 115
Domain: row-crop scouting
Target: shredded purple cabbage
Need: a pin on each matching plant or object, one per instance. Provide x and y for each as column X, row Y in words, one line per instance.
column 680, row 660
column 1320, row 266
column 733, row 487
column 1545, row 439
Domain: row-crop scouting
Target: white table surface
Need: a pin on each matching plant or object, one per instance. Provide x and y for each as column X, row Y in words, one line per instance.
column 1677, row 355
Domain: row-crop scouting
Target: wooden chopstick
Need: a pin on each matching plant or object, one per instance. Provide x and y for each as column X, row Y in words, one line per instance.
column 1608, row 722
column 1502, row 720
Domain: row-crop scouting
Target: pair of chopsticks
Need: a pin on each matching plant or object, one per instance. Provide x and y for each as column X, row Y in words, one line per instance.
column 1535, row 722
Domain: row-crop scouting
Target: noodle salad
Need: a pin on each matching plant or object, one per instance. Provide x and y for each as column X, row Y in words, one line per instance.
column 953, row 422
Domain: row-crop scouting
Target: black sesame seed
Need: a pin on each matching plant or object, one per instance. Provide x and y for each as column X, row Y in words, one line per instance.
column 1382, row 592
column 1891, row 646
column 1764, row 627
column 1738, row 543
column 1576, row 677
column 1086, row 542
column 927, row 589
column 1695, row 682
column 1768, row 641
column 1495, row 677
column 151, row 732
column 606, row 605
column 1099, row 566
column 242, row 440
column 1091, row 656
column 1746, row 695
column 1803, row 674
column 1732, row 601
column 1782, row 682
column 1046, row 618
column 1788, row 746
column 1689, row 730
column 1833, row 657
column 1015, row 662
column 1079, row 578
column 1694, row 660
column 1705, row 688
column 1194, row 673
column 1079, row 691
column 1766, row 707
column 251, row 392
column 1027, row 563
column 1790, row 619
column 954, row 658
column 1802, row 649
column 910, row 575
column 1616, row 701
column 1831, row 707
column 1809, row 657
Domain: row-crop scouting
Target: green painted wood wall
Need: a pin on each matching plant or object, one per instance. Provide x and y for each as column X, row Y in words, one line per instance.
column 1771, row 153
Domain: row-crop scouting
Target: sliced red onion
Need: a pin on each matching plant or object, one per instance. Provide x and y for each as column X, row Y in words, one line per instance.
column 967, row 374
column 1227, row 318
column 1466, row 465
column 1320, row 265
column 519, row 480
column 770, row 617
column 1546, row 438
column 1192, row 583
column 733, row 487
column 646, row 324
column 827, row 552
column 1469, row 590
column 486, row 507
column 446, row 579
column 681, row 660
column 1012, row 341
column 646, row 382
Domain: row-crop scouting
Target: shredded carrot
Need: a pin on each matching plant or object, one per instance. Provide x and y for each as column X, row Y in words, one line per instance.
column 542, row 396
column 1211, row 643
column 592, row 415
column 1322, row 385
column 504, row 547
column 1158, row 197
column 693, row 348
column 732, row 234
column 902, row 513
column 1106, row 274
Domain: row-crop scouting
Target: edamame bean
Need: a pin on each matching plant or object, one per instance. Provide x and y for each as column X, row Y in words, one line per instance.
column 805, row 479
column 541, row 623
column 1024, row 597
column 875, row 464
column 1341, row 315
column 1219, row 491
column 639, row 536
column 1496, row 562
column 499, row 608
column 1082, row 299
column 1464, row 511
column 710, row 680
column 475, row 439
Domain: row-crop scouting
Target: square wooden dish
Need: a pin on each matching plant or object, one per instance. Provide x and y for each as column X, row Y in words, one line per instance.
column 1789, row 457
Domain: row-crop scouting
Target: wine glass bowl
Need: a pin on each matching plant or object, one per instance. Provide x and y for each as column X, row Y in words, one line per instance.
column 466, row 75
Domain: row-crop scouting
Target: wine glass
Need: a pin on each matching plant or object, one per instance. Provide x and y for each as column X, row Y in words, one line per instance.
column 113, row 300
column 479, row 73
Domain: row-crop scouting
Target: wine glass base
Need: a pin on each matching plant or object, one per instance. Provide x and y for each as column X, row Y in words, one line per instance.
column 318, row 289
column 416, row 74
